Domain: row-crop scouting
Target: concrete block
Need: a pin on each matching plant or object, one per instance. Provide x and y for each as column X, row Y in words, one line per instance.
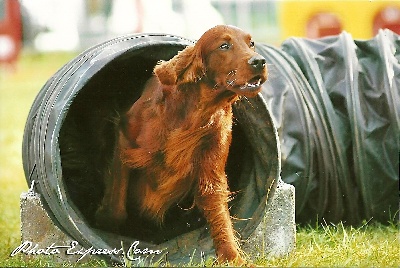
column 40, row 236
column 274, row 237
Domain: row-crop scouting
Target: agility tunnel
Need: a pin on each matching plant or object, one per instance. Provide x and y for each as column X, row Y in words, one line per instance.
column 333, row 101
column 69, row 139
column 336, row 105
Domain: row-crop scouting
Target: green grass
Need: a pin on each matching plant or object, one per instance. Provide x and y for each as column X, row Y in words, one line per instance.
column 335, row 245
column 18, row 88
column 319, row 245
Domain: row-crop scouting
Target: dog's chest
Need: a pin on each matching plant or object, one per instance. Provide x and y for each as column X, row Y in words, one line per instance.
column 188, row 147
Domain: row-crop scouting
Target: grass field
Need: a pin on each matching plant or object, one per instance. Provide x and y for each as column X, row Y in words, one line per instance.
column 317, row 245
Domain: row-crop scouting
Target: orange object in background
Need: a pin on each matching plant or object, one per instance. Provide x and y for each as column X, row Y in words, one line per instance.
column 316, row 18
column 388, row 18
column 10, row 31
column 323, row 24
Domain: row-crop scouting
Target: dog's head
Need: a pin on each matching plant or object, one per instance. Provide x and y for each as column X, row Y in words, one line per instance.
column 224, row 57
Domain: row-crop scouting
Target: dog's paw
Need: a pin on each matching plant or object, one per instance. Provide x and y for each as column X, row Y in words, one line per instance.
column 230, row 254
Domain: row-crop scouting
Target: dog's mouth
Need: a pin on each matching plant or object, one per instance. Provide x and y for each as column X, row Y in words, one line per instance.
column 253, row 83
column 249, row 87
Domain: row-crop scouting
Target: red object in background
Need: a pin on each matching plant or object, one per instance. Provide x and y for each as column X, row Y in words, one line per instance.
column 323, row 24
column 388, row 18
column 10, row 31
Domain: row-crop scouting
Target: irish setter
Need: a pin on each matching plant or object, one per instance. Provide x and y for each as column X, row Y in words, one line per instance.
column 177, row 135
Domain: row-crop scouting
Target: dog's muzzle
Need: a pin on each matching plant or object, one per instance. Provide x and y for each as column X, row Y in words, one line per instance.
column 257, row 62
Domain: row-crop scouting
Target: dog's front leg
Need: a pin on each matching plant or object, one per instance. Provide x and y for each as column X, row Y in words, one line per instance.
column 112, row 211
column 212, row 200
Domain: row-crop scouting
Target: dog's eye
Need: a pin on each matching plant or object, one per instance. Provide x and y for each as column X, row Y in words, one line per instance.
column 251, row 44
column 224, row 46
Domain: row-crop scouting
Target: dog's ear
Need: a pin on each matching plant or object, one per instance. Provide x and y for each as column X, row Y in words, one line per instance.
column 165, row 71
column 185, row 67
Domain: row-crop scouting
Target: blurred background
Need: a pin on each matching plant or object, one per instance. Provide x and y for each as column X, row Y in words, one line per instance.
column 74, row 25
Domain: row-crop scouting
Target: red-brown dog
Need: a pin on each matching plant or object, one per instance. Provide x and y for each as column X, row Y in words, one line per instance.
column 178, row 133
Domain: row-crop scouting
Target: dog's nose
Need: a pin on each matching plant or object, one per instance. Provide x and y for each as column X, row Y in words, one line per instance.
column 257, row 62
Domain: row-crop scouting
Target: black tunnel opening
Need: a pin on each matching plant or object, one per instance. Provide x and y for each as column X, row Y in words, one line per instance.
column 70, row 134
column 87, row 138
